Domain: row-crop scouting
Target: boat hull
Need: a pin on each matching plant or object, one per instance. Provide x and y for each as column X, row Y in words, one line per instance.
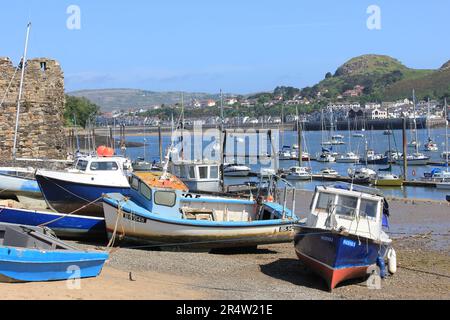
column 193, row 234
column 388, row 183
column 240, row 173
column 68, row 197
column 200, row 186
column 18, row 186
column 25, row 265
column 443, row 186
column 68, row 227
column 335, row 257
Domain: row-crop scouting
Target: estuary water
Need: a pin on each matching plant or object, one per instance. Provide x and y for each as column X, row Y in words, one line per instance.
column 376, row 140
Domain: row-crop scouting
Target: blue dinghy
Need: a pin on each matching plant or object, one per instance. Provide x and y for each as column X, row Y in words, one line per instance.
column 32, row 254
column 72, row 227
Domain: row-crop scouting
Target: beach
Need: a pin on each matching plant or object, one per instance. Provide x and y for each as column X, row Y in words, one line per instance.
column 270, row 272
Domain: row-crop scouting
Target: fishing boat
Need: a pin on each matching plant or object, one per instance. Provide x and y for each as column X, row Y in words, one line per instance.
column 155, row 213
column 299, row 173
column 79, row 190
column 236, row 170
column 32, row 254
column 198, row 175
column 343, row 234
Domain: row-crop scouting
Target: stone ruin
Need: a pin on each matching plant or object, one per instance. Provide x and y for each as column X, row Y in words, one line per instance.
column 41, row 125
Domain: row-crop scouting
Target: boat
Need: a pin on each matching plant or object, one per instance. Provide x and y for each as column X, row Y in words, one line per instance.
column 236, row 170
column 325, row 156
column 349, row 157
column 140, row 164
column 388, row 132
column 387, row 180
column 267, row 172
column 299, row 173
column 285, row 154
column 431, row 146
column 79, row 190
column 20, row 183
column 162, row 216
column 445, row 155
column 375, row 158
column 329, row 172
column 416, row 159
column 198, row 175
column 343, row 235
column 73, row 227
column 444, row 185
column 33, row 254
column 362, row 175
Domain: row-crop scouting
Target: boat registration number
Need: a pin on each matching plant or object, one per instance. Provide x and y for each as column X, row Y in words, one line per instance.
column 286, row 229
column 135, row 218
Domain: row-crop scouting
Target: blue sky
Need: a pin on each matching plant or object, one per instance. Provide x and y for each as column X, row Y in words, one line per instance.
column 208, row 45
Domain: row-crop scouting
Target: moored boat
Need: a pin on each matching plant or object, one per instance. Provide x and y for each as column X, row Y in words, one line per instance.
column 387, row 180
column 342, row 236
column 165, row 216
column 236, row 170
column 299, row 173
column 32, row 254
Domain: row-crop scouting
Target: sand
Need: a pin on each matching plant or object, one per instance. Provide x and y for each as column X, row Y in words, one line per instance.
column 271, row 272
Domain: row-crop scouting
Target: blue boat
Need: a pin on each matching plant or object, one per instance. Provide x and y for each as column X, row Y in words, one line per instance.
column 161, row 212
column 31, row 254
column 72, row 227
column 342, row 236
column 79, row 190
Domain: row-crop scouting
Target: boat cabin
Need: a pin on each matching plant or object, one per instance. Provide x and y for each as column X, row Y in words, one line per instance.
column 172, row 200
column 199, row 176
column 351, row 209
column 95, row 165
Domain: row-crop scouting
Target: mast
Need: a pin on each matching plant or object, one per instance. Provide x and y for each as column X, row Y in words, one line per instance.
column 24, row 60
column 300, row 142
column 415, row 122
column 446, row 132
column 182, row 126
column 222, row 137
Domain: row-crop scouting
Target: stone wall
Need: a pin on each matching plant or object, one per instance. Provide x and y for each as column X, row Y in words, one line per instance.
column 41, row 124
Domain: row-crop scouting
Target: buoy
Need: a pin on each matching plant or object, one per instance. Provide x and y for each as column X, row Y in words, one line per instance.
column 392, row 261
column 104, row 151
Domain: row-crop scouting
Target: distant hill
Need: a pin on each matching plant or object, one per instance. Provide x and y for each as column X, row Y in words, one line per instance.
column 117, row 99
column 384, row 77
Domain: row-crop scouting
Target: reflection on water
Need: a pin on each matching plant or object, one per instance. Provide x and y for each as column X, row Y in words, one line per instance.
column 376, row 140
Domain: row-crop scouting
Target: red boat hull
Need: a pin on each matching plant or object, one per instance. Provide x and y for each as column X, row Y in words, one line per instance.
column 331, row 275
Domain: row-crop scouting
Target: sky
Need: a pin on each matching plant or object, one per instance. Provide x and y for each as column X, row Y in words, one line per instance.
column 239, row 46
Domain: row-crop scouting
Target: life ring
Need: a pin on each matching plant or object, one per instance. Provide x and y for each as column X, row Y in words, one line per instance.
column 270, row 198
column 414, row 173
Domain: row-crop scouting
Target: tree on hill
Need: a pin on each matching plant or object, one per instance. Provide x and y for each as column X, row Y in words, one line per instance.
column 79, row 111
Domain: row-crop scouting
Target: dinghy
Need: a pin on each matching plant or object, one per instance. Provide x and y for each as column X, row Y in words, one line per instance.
column 342, row 236
column 155, row 213
column 31, row 254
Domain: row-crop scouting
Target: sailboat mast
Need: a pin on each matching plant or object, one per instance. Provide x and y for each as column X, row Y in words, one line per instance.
column 415, row 122
column 24, row 60
column 446, row 132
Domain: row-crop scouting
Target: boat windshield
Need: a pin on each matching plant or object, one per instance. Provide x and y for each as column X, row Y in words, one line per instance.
column 346, row 206
column 104, row 166
column 203, row 171
column 165, row 198
column 81, row 165
column 368, row 209
column 325, row 201
column 214, row 172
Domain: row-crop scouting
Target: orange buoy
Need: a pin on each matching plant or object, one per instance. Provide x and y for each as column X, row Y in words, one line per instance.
column 104, row 151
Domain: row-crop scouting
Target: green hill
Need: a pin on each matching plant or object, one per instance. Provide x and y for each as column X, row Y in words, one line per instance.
column 123, row 99
column 384, row 78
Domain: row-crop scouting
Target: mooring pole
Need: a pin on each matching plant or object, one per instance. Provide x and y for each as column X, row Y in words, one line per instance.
column 405, row 151
column 160, row 144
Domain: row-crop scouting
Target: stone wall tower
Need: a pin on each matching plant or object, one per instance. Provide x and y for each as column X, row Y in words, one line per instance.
column 41, row 124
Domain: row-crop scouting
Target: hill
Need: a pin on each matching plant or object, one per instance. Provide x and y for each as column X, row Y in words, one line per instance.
column 117, row 99
column 384, row 78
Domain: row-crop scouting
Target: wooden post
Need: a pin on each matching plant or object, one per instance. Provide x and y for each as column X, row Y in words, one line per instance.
column 405, row 151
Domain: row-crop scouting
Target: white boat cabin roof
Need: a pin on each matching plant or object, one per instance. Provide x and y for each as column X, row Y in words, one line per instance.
column 96, row 164
column 353, row 209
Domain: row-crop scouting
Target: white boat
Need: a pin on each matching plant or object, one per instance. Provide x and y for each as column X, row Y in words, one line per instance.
column 267, row 172
column 167, row 217
column 445, row 155
column 199, row 176
column 445, row 185
column 416, row 159
column 299, row 173
column 325, row 157
column 431, row 146
column 349, row 157
column 235, row 170
column 358, row 135
column 329, row 172
column 80, row 188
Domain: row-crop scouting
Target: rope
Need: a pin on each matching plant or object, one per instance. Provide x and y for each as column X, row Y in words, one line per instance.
column 69, row 214
column 119, row 216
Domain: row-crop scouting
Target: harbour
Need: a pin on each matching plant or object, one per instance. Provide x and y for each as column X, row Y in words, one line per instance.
column 178, row 175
